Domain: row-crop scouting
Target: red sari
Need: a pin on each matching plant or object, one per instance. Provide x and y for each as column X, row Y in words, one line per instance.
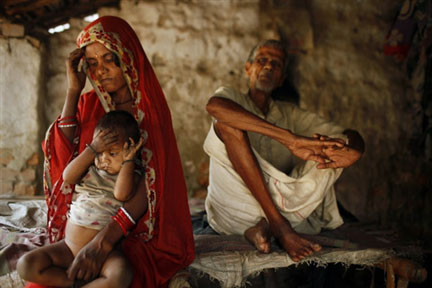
column 162, row 241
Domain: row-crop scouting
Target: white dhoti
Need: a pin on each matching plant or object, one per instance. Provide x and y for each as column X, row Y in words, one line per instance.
column 306, row 197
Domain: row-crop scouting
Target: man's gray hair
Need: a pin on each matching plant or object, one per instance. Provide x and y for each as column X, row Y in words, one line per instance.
column 270, row 43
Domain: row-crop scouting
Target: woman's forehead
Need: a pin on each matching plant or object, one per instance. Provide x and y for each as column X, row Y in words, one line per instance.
column 95, row 50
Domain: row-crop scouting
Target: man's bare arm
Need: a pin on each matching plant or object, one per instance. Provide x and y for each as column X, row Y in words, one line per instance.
column 232, row 114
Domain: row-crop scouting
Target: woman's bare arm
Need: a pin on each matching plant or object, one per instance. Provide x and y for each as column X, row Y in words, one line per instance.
column 76, row 82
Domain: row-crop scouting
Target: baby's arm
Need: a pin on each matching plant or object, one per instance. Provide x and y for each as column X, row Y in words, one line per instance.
column 127, row 179
column 76, row 169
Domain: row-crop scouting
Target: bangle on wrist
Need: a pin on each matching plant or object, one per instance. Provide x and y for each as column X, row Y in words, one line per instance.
column 124, row 220
column 67, row 118
column 91, row 148
column 128, row 160
column 67, row 122
column 66, row 125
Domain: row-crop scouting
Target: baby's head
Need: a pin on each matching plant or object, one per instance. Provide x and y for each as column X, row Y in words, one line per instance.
column 125, row 126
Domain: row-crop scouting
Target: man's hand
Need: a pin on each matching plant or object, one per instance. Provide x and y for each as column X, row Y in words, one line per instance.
column 342, row 157
column 307, row 148
column 88, row 262
column 339, row 157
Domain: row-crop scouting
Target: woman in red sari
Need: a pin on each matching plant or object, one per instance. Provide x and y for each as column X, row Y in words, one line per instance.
column 161, row 243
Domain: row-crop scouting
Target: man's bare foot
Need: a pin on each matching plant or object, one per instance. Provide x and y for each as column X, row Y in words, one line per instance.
column 259, row 236
column 296, row 246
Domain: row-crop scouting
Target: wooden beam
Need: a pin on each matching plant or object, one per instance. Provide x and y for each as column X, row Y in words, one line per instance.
column 403, row 268
column 49, row 20
column 40, row 15
column 390, row 281
column 6, row 3
column 32, row 5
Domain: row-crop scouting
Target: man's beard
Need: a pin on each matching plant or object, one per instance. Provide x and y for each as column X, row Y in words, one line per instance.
column 266, row 86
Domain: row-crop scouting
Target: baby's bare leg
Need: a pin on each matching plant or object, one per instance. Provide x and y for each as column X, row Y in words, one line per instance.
column 116, row 272
column 47, row 265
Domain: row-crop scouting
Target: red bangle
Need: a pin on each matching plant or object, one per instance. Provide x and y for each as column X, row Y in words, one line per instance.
column 120, row 223
column 124, row 220
column 68, row 122
column 67, row 118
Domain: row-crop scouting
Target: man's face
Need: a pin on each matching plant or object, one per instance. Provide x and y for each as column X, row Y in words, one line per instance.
column 266, row 72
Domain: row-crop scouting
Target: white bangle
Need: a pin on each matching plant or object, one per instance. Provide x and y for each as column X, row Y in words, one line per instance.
column 128, row 215
column 66, row 125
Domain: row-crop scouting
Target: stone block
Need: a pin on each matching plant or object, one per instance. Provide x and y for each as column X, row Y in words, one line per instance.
column 6, row 156
column 200, row 194
column 8, row 174
column 19, row 189
column 12, row 30
column 6, row 187
column 295, row 25
column 24, row 189
column 33, row 41
column 31, row 190
column 28, row 175
column 33, row 160
column 203, row 175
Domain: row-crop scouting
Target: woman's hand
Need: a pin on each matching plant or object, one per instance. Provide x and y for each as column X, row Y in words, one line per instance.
column 104, row 139
column 88, row 262
column 76, row 79
column 131, row 149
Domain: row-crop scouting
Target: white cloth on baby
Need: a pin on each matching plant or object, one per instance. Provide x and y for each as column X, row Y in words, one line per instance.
column 93, row 202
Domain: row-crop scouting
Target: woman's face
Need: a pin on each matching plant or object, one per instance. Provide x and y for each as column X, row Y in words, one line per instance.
column 102, row 65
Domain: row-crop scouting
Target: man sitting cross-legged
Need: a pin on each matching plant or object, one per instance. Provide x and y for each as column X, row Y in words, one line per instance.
column 260, row 183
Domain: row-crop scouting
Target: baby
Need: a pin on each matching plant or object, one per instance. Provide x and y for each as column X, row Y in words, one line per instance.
column 105, row 176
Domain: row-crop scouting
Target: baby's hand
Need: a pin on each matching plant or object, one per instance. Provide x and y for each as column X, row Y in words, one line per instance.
column 131, row 149
column 104, row 139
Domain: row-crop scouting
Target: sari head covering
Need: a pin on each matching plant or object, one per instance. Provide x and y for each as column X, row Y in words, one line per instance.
column 162, row 241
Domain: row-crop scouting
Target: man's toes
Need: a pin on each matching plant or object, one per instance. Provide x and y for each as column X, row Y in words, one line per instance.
column 300, row 257
column 264, row 248
column 316, row 247
column 307, row 251
column 294, row 256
